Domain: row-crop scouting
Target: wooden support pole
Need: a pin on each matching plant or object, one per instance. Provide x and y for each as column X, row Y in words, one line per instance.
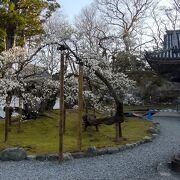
column 61, row 105
column 121, row 119
column 20, row 113
column 6, row 125
column 64, row 122
column 120, row 130
column 117, row 132
column 80, row 107
column 7, row 119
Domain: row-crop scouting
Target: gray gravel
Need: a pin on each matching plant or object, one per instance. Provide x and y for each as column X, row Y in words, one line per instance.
column 138, row 163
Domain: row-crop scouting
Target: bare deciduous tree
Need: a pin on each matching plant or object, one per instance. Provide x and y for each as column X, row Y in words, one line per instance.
column 126, row 16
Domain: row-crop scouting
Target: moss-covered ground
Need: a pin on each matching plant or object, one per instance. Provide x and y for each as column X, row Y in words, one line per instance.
column 40, row 136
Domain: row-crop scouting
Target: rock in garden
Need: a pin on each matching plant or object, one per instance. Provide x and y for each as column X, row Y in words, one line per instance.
column 154, row 135
column 41, row 157
column 153, row 130
column 102, row 151
column 147, row 139
column 91, row 151
column 122, row 148
column 52, row 157
column 14, row 154
column 31, row 157
column 112, row 150
column 129, row 146
column 67, row 156
column 78, row 154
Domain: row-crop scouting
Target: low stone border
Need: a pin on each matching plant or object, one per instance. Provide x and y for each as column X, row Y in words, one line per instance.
column 93, row 151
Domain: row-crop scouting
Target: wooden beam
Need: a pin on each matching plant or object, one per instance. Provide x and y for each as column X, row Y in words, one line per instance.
column 61, row 105
column 7, row 118
column 80, row 107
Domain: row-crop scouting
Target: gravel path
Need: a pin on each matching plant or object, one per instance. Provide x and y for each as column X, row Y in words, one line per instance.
column 137, row 163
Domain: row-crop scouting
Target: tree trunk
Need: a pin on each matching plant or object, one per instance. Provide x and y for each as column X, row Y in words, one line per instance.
column 10, row 36
column 119, row 105
column 48, row 104
column 126, row 41
column 10, row 41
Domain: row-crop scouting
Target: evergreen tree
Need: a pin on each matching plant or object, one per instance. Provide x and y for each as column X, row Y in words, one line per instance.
column 23, row 18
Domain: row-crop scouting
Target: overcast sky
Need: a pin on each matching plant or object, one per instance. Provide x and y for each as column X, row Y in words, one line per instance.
column 73, row 7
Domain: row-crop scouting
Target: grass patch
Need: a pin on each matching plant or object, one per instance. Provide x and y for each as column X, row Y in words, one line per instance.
column 150, row 106
column 41, row 135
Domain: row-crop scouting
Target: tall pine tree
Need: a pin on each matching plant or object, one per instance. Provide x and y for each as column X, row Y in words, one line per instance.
column 23, row 18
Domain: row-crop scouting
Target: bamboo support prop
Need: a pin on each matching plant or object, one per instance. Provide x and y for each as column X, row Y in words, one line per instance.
column 61, row 105
column 80, row 107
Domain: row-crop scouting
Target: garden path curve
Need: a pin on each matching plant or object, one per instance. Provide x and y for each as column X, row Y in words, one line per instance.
column 138, row 163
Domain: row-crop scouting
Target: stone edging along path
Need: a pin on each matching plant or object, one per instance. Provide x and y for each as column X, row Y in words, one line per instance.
column 93, row 151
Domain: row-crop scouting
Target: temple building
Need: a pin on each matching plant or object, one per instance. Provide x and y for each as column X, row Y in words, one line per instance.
column 166, row 62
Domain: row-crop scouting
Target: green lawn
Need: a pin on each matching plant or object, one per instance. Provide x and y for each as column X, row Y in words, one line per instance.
column 41, row 135
column 145, row 107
